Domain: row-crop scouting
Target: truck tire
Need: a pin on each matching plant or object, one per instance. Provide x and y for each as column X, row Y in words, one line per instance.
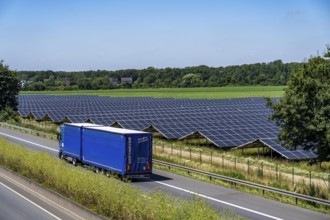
column 74, row 162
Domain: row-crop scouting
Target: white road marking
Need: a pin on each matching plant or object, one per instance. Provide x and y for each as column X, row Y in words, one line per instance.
column 30, row 142
column 217, row 200
column 171, row 186
column 49, row 213
column 40, row 196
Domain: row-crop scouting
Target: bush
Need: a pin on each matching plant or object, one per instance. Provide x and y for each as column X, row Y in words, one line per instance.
column 8, row 115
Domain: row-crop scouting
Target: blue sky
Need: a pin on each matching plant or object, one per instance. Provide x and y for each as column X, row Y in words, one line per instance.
column 121, row 34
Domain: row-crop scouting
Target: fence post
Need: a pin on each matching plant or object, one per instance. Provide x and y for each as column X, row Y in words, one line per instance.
column 190, row 152
column 329, row 183
column 163, row 147
column 292, row 175
column 211, row 157
column 276, row 173
column 171, row 150
column 235, row 163
column 180, row 151
column 262, row 169
column 222, row 160
column 310, row 179
column 200, row 156
column 248, row 163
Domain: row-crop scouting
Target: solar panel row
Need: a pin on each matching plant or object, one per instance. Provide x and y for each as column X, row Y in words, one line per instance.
column 224, row 122
column 289, row 154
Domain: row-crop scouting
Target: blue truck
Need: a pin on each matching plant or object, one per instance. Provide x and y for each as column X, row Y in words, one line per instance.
column 127, row 153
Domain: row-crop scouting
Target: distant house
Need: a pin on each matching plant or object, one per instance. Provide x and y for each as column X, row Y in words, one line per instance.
column 22, row 82
column 128, row 80
column 114, row 80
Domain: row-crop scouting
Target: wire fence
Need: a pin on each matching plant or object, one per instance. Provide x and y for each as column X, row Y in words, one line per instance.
column 250, row 168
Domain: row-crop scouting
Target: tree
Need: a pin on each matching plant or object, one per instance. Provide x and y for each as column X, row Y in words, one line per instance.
column 36, row 86
column 9, row 88
column 303, row 114
column 191, row 80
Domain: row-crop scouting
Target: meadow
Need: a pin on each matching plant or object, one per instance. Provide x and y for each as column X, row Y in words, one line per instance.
column 194, row 93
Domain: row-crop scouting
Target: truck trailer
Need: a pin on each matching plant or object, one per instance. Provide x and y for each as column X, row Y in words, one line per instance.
column 125, row 152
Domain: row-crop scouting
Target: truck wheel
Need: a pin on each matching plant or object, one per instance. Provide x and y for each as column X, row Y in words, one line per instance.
column 96, row 170
column 74, row 162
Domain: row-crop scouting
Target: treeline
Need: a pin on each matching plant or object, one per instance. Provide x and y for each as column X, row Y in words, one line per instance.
column 273, row 73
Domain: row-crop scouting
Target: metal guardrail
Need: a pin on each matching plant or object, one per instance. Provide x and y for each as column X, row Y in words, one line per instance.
column 246, row 183
column 27, row 130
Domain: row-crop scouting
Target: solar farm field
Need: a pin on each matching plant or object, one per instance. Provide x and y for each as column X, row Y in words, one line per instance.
column 192, row 93
column 226, row 123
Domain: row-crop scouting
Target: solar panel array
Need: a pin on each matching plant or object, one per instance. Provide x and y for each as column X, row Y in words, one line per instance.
column 224, row 122
column 299, row 153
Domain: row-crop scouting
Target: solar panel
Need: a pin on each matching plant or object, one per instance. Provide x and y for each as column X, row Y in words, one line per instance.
column 224, row 122
column 289, row 154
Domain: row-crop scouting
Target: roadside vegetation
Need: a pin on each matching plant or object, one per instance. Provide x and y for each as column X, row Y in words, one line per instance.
column 106, row 196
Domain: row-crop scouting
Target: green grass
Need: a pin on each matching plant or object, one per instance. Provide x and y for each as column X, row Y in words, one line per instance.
column 196, row 93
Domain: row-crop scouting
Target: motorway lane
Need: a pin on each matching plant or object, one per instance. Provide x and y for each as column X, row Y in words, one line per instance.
column 250, row 206
column 17, row 202
column 30, row 141
column 22, row 210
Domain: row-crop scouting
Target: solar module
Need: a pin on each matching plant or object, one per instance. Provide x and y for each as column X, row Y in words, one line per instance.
column 289, row 154
column 224, row 122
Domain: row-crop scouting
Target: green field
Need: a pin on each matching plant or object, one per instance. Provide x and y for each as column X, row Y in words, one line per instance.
column 195, row 93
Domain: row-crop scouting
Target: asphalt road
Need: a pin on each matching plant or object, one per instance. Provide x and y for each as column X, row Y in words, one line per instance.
column 249, row 206
column 18, row 203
